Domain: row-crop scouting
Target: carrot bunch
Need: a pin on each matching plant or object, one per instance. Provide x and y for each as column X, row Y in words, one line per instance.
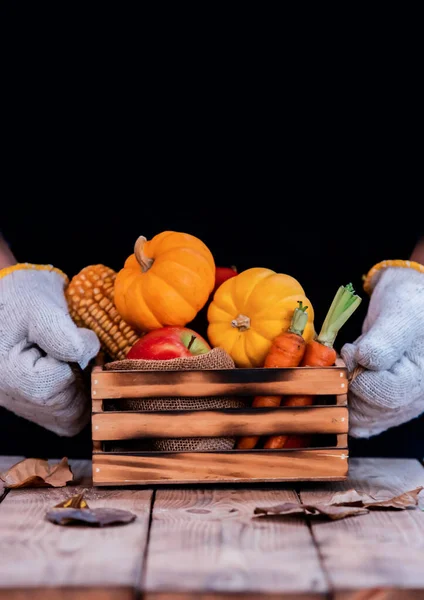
column 287, row 350
column 319, row 352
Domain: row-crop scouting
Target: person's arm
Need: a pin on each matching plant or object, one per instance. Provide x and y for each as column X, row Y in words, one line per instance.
column 38, row 342
column 7, row 259
column 388, row 388
column 418, row 252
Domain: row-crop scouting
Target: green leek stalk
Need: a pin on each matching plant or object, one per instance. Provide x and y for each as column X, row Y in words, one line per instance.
column 344, row 304
column 299, row 319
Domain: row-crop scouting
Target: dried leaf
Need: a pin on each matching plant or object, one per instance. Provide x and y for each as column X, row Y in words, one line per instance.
column 350, row 498
column 344, row 504
column 405, row 500
column 333, row 512
column 36, row 472
column 288, row 508
column 74, row 502
column 97, row 517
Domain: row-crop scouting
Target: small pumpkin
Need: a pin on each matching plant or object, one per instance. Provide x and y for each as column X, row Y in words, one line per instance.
column 249, row 310
column 165, row 282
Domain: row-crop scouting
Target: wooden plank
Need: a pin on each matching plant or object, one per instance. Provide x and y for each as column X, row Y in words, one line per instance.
column 225, row 422
column 341, row 400
column 97, row 406
column 35, row 554
column 342, row 440
column 209, row 467
column 239, row 382
column 61, row 593
column 5, row 463
column 234, row 596
column 381, row 594
column 380, row 550
column 207, row 544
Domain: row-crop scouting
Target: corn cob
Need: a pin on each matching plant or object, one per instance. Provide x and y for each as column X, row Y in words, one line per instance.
column 90, row 299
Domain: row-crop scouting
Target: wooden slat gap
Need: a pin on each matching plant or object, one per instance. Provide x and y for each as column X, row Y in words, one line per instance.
column 158, row 453
column 226, row 411
column 3, row 494
column 308, row 521
column 142, row 575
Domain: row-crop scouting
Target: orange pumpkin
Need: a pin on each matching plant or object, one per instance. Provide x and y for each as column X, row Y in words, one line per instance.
column 165, row 282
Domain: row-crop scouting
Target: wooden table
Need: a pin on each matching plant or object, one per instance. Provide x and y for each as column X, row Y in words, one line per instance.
column 204, row 543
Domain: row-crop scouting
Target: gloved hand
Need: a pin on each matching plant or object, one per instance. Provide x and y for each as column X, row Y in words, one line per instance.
column 390, row 389
column 38, row 340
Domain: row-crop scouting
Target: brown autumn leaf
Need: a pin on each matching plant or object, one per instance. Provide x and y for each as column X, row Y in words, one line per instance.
column 36, row 472
column 350, row 498
column 354, row 498
column 97, row 517
column 405, row 500
column 333, row 512
column 287, row 508
column 344, row 504
column 76, row 501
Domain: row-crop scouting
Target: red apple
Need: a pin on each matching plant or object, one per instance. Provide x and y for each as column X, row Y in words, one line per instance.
column 222, row 274
column 169, row 342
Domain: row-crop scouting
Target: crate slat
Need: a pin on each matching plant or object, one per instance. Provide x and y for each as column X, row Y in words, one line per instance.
column 327, row 461
column 239, row 382
column 215, row 423
column 342, row 440
column 230, row 467
column 341, row 400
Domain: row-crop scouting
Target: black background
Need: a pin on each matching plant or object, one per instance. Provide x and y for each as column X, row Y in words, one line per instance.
column 311, row 169
column 322, row 233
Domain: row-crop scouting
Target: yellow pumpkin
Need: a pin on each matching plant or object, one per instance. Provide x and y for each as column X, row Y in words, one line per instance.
column 165, row 282
column 249, row 310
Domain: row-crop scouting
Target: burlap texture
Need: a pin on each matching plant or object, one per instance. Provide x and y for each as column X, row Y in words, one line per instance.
column 215, row 359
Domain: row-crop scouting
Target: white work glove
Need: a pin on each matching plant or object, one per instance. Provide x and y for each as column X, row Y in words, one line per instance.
column 390, row 389
column 38, row 340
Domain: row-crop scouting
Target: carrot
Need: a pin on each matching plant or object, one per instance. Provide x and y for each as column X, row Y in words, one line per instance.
column 320, row 352
column 286, row 350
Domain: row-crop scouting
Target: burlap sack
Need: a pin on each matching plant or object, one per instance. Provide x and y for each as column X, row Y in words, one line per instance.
column 215, row 359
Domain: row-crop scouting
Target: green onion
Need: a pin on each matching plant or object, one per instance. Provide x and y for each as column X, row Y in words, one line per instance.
column 299, row 319
column 344, row 304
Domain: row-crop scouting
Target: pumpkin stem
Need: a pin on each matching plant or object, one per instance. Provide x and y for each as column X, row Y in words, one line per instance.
column 144, row 261
column 241, row 322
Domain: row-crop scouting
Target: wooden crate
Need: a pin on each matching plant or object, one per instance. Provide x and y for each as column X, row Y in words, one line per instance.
column 327, row 419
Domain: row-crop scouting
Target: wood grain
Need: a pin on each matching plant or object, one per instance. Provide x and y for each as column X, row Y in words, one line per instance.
column 341, row 400
column 225, row 422
column 381, row 593
column 383, row 550
column 208, row 542
column 234, row 596
column 240, row 382
column 76, row 593
column 342, row 440
column 37, row 554
column 223, row 467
